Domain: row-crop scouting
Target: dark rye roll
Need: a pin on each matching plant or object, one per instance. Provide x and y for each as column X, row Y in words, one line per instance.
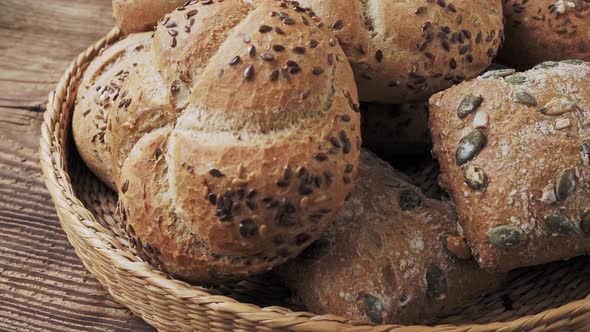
column 392, row 255
column 545, row 30
column 514, row 150
column 404, row 51
column 233, row 148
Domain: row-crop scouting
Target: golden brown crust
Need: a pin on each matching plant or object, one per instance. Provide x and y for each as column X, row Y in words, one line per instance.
column 544, row 30
column 390, row 256
column 394, row 130
column 141, row 15
column 98, row 92
column 251, row 157
column 424, row 47
column 516, row 162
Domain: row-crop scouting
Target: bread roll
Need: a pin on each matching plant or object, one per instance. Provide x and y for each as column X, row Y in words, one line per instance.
column 391, row 256
column 235, row 139
column 394, row 130
column 543, row 30
column 514, row 153
column 404, row 51
column 142, row 15
column 98, row 92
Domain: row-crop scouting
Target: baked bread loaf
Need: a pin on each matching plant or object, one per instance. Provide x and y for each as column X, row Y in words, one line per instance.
column 142, row 15
column 544, row 30
column 233, row 147
column 98, row 92
column 514, row 153
column 391, row 256
column 403, row 51
column 394, row 130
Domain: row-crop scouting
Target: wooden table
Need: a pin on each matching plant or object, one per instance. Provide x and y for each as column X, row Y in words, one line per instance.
column 43, row 285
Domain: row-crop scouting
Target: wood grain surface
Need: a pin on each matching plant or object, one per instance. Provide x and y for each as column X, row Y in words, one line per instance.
column 43, row 285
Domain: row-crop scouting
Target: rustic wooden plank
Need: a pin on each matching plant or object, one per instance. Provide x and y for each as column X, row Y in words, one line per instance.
column 43, row 284
column 38, row 39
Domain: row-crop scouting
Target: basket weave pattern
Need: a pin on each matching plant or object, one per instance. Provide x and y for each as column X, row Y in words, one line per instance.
column 86, row 210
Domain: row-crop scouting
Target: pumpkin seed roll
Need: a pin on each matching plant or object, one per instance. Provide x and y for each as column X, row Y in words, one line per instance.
column 234, row 138
column 404, row 51
column 392, row 255
column 544, row 30
column 514, row 150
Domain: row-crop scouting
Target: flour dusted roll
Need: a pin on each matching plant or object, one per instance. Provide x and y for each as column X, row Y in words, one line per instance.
column 142, row 15
column 235, row 139
column 404, row 51
column 514, row 150
column 392, row 255
column 544, row 30
column 98, row 92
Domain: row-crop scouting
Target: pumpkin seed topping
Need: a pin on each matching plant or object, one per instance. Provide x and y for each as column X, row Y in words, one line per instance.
column 558, row 106
column 546, row 64
column 524, row 97
column 498, row 73
column 559, row 224
column 475, row 177
column 574, row 62
column 516, row 79
column 506, row 237
column 470, row 146
column 565, row 184
column 469, row 105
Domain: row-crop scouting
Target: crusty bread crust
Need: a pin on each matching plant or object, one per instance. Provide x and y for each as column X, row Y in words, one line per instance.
column 544, row 30
column 392, row 255
column 141, row 15
column 403, row 51
column 237, row 139
column 97, row 93
column 514, row 156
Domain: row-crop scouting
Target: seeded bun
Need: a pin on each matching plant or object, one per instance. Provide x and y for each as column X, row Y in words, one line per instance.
column 404, row 51
column 235, row 146
column 141, row 15
column 544, row 30
column 97, row 93
column 514, row 152
column 392, row 255
column 394, row 130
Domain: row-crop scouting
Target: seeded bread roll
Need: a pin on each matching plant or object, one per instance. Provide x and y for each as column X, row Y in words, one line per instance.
column 392, row 255
column 403, row 51
column 394, row 130
column 514, row 151
column 543, row 30
column 141, row 15
column 235, row 139
column 98, row 92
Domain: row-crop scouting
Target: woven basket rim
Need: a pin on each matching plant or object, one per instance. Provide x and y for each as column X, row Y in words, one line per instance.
column 71, row 211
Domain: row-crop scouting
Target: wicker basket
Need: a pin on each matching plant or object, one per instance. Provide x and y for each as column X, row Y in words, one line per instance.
column 549, row 298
